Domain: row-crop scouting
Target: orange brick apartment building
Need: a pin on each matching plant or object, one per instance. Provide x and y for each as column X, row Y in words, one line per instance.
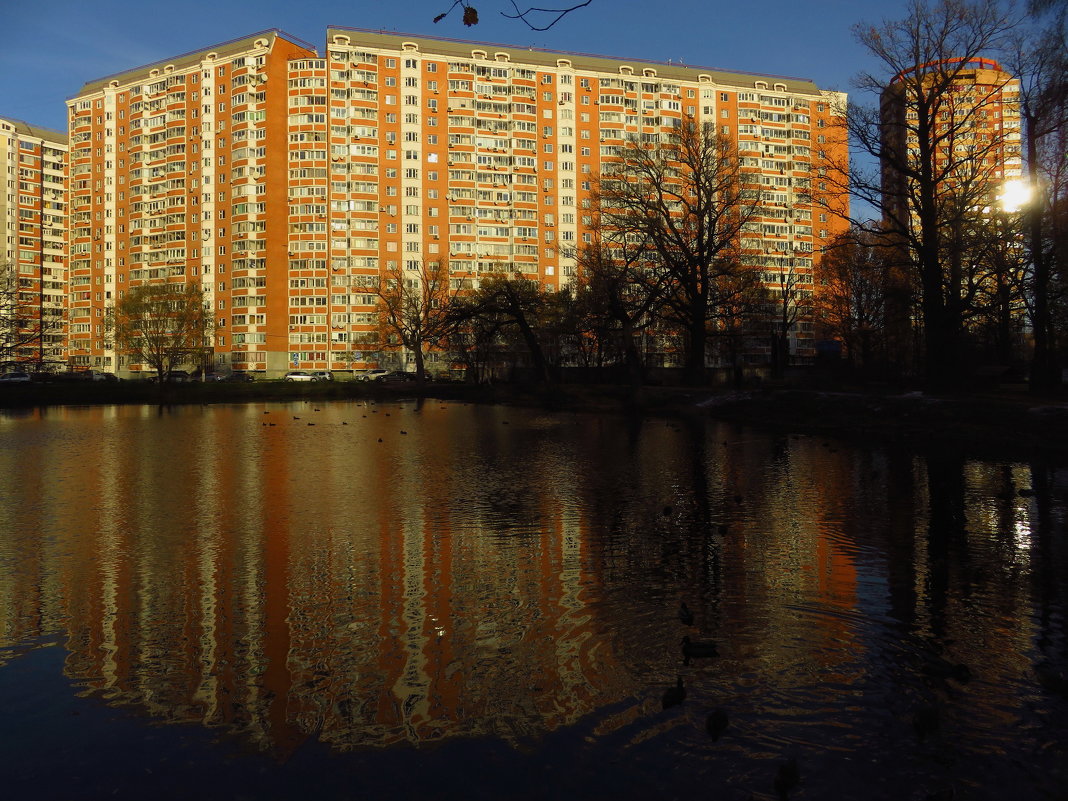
column 33, row 213
column 284, row 182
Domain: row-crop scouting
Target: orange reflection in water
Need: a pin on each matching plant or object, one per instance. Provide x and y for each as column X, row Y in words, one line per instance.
column 290, row 580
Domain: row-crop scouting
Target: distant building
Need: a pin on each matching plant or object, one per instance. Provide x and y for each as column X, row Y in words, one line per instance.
column 285, row 183
column 33, row 213
column 951, row 139
column 974, row 133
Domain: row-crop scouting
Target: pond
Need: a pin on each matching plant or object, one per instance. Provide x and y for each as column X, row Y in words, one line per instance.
column 435, row 599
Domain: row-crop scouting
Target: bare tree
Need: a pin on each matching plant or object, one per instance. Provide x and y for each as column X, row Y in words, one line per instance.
column 1039, row 57
column 163, row 326
column 788, row 303
column 473, row 337
column 683, row 203
column 851, row 300
column 414, row 305
column 739, row 302
column 28, row 320
column 939, row 160
column 622, row 295
column 513, row 306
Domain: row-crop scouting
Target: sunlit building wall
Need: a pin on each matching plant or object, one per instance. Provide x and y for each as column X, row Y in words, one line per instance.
column 286, row 184
column 178, row 175
column 33, row 213
column 484, row 157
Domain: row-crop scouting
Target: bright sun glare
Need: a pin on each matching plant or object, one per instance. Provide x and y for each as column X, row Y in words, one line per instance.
column 1015, row 195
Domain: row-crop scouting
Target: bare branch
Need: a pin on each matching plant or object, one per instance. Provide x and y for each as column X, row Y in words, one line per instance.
column 559, row 12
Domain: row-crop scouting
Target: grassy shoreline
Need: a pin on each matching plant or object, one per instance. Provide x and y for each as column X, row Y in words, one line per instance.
column 990, row 425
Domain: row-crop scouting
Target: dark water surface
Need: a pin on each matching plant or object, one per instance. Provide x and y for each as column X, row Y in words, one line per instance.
column 440, row 600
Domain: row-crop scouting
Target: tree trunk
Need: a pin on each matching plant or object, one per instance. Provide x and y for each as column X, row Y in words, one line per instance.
column 630, row 353
column 420, row 369
column 1045, row 377
column 536, row 354
column 695, row 350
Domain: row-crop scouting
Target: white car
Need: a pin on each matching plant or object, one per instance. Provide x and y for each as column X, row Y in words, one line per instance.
column 372, row 375
column 323, row 375
column 300, row 375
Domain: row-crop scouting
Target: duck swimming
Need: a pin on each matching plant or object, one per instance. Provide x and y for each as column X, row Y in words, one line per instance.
column 673, row 696
column 698, row 650
column 685, row 615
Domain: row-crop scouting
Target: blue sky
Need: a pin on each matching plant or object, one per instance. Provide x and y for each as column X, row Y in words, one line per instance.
column 48, row 51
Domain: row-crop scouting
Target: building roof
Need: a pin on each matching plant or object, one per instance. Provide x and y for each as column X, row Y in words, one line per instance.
column 461, row 48
column 193, row 58
column 36, row 131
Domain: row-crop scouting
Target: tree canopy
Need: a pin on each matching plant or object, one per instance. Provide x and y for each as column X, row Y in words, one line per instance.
column 162, row 326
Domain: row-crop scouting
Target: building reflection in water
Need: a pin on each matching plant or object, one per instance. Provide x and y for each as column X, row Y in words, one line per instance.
column 417, row 572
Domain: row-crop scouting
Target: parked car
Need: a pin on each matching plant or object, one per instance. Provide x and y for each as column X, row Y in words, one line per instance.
column 16, row 377
column 372, row 375
column 397, row 377
column 98, row 375
column 323, row 375
column 239, row 377
column 175, row 376
column 300, row 375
